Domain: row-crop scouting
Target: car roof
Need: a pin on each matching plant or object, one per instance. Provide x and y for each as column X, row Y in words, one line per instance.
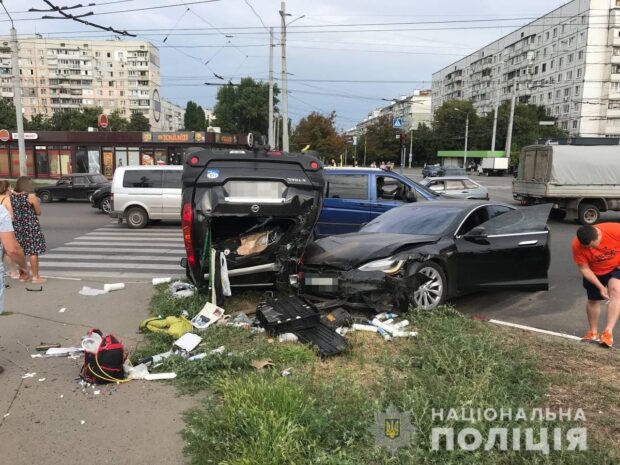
column 150, row 167
column 353, row 168
column 462, row 204
column 433, row 178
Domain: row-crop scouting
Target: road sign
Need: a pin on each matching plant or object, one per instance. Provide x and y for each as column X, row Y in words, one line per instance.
column 102, row 121
column 5, row 135
column 397, row 123
column 354, row 140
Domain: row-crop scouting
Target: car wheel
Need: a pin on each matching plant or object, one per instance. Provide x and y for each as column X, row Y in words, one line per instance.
column 431, row 294
column 90, row 197
column 136, row 218
column 106, row 205
column 557, row 214
column 45, row 196
column 588, row 214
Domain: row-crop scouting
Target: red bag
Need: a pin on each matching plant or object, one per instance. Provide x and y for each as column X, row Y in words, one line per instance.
column 105, row 365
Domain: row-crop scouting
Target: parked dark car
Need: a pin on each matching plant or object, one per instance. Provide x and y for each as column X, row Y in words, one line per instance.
column 425, row 253
column 452, row 171
column 356, row 196
column 431, row 170
column 257, row 208
column 102, row 199
column 72, row 186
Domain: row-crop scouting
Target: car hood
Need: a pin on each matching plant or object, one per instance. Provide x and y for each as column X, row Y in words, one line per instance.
column 352, row 250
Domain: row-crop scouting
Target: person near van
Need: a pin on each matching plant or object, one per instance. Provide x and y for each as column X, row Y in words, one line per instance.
column 26, row 210
column 382, row 165
column 5, row 201
column 332, row 162
column 373, row 164
column 596, row 251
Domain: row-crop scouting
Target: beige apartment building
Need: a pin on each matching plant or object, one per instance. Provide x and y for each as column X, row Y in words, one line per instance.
column 74, row 73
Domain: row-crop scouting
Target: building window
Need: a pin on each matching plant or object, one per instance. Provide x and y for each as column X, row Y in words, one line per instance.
column 582, row 37
column 583, row 19
column 555, row 32
column 546, row 35
column 577, row 90
column 108, row 54
column 567, row 92
column 571, row 58
column 565, row 125
column 551, row 64
column 558, row 94
column 533, row 101
column 110, row 83
column 560, row 77
column 561, row 62
column 614, row 105
column 579, row 73
column 544, row 67
column 563, row 28
column 574, row 124
column 550, row 96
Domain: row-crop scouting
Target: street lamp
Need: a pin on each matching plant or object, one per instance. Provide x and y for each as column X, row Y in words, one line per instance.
column 466, row 135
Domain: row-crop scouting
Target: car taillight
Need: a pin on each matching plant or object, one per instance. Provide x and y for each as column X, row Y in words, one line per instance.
column 314, row 165
column 187, row 218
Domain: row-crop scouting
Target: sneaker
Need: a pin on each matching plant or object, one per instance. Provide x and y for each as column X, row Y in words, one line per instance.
column 591, row 336
column 607, row 339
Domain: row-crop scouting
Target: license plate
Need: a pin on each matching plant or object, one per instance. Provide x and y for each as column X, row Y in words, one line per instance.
column 320, row 281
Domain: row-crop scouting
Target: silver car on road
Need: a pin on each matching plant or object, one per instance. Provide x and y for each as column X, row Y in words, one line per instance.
column 456, row 187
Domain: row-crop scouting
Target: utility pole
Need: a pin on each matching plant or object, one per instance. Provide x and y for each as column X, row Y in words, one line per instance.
column 510, row 122
column 277, row 125
column 285, row 147
column 270, row 140
column 466, row 140
column 365, row 137
column 496, row 109
column 17, row 98
column 411, row 145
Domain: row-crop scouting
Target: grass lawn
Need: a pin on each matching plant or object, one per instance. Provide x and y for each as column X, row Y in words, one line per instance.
column 321, row 412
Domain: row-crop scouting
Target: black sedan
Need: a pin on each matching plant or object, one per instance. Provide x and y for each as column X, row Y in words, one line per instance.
column 102, row 199
column 425, row 253
column 72, row 186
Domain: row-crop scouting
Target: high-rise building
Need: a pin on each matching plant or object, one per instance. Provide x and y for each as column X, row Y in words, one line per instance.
column 567, row 60
column 75, row 73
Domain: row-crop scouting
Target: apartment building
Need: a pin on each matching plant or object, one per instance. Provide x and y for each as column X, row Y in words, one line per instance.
column 173, row 116
column 73, row 73
column 567, row 60
column 414, row 109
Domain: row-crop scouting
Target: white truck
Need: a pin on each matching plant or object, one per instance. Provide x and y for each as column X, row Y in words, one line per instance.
column 493, row 166
column 581, row 181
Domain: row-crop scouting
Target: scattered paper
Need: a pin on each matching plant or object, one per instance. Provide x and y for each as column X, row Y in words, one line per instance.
column 62, row 396
column 97, row 393
column 158, row 376
column 7, row 414
column 209, row 314
column 89, row 291
column 286, row 372
column 62, row 310
column 28, row 375
column 42, row 379
column 62, row 351
column 82, row 422
column 188, row 342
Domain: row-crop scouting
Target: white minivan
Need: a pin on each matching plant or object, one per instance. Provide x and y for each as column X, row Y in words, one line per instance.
column 144, row 193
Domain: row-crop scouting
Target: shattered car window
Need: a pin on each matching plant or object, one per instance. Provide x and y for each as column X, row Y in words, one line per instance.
column 523, row 220
column 414, row 220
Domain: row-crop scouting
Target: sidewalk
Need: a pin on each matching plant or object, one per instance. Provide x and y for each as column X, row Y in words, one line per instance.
column 129, row 424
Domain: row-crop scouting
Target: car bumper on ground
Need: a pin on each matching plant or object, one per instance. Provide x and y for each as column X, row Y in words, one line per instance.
column 116, row 214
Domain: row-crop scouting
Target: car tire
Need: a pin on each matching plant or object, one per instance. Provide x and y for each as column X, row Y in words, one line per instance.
column 432, row 294
column 106, row 205
column 45, row 196
column 136, row 218
column 588, row 214
column 90, row 196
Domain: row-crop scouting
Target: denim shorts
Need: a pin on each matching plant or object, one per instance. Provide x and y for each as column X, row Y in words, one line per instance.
column 592, row 290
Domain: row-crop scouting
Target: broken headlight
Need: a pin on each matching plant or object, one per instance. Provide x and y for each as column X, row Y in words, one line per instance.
column 387, row 265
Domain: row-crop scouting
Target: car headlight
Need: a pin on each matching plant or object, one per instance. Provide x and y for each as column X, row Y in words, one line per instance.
column 387, row 265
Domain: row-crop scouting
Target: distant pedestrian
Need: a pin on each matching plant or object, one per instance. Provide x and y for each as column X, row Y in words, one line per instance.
column 383, row 165
column 333, row 162
column 5, row 201
column 26, row 210
column 373, row 164
column 596, row 251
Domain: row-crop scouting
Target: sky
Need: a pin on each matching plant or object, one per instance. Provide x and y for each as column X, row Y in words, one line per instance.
column 378, row 50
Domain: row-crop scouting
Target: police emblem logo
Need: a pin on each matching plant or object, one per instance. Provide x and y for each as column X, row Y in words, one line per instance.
column 392, row 429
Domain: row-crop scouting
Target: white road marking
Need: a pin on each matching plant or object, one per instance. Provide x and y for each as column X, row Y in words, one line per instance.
column 535, row 330
column 145, row 244
column 145, row 266
column 130, row 239
column 177, row 250
column 137, row 258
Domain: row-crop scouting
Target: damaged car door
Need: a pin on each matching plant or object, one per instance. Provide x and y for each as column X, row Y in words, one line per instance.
column 250, row 211
column 499, row 247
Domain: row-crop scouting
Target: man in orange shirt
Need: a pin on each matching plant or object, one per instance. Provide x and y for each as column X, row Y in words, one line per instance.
column 596, row 250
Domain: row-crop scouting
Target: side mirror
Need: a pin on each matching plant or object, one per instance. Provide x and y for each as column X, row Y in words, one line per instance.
column 410, row 197
column 477, row 233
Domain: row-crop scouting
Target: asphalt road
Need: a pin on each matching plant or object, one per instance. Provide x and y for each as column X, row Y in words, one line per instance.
column 559, row 309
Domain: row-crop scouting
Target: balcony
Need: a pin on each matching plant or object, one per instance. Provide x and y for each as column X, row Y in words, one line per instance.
column 613, row 113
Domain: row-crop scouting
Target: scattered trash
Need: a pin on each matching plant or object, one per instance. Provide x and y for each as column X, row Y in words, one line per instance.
column 89, row 291
column 253, row 244
column 155, row 359
column 62, row 396
column 369, row 328
column 392, row 330
column 287, row 372
column 62, row 310
column 160, row 376
column 103, row 362
column 43, row 346
column 337, row 318
column 157, row 281
column 39, row 289
column 6, row 415
column 287, row 337
column 241, row 320
column 262, row 364
column 209, row 314
column 402, row 324
column 181, row 290
column 285, row 314
column 96, row 393
column 175, row 326
column 137, row 372
column 188, row 342
column 42, row 379
column 113, row 287
column 219, row 350
column 82, row 422
column 28, row 375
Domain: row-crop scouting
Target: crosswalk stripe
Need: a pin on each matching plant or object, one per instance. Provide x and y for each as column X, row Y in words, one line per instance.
column 137, row 232
column 149, row 236
column 145, row 244
column 177, row 250
column 119, row 275
column 145, row 266
column 129, row 239
column 136, row 258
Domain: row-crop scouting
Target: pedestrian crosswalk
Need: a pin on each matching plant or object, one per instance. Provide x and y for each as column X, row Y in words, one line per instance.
column 114, row 251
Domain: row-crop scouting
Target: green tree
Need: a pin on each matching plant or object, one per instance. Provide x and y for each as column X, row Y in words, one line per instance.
column 38, row 122
column 139, row 122
column 244, row 107
column 318, row 131
column 7, row 114
column 449, row 123
column 424, row 145
column 75, row 120
column 116, row 121
column 381, row 142
column 194, row 117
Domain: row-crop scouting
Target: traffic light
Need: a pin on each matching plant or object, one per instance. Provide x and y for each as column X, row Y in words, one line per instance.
column 403, row 138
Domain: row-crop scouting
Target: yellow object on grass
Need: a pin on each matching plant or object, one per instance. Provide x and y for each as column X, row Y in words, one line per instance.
column 175, row 326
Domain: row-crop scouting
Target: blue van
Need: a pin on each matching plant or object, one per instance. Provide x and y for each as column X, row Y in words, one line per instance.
column 355, row 196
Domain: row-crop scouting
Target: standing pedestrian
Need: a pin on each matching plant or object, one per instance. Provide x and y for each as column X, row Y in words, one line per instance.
column 5, row 201
column 596, row 251
column 26, row 210
column 382, row 165
column 9, row 244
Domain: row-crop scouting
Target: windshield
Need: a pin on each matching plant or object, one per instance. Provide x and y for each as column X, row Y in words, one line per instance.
column 414, row 220
column 98, row 178
column 425, row 189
